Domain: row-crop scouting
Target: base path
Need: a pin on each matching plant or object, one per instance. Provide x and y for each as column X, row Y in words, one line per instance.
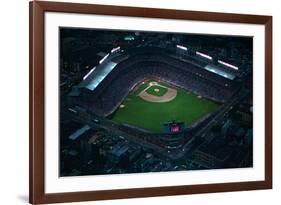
column 168, row 96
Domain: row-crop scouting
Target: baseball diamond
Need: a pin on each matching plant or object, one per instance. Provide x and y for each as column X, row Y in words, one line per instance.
column 156, row 92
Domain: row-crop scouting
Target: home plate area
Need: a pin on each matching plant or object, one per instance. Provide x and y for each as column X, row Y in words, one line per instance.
column 156, row 92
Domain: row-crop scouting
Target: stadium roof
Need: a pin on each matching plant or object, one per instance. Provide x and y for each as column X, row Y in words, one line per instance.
column 104, row 70
column 98, row 73
column 217, row 70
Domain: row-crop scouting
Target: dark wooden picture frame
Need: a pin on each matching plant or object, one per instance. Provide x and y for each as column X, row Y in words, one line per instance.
column 37, row 193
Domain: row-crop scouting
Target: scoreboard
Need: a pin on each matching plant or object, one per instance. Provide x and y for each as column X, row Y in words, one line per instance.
column 174, row 127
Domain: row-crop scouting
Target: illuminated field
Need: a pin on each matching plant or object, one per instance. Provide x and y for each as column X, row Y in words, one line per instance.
column 151, row 114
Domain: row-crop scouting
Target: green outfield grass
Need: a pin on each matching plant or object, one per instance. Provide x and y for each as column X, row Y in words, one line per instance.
column 186, row 107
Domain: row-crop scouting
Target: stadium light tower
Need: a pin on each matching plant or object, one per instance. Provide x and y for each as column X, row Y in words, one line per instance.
column 204, row 55
column 115, row 49
column 228, row 65
column 84, row 78
column 103, row 59
column 182, row 47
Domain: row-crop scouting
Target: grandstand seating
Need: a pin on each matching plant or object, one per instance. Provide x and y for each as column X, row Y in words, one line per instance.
column 148, row 64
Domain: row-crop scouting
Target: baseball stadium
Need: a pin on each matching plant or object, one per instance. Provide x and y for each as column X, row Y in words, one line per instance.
column 145, row 90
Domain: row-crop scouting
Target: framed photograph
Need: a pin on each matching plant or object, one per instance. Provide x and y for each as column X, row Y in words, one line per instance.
column 139, row 102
